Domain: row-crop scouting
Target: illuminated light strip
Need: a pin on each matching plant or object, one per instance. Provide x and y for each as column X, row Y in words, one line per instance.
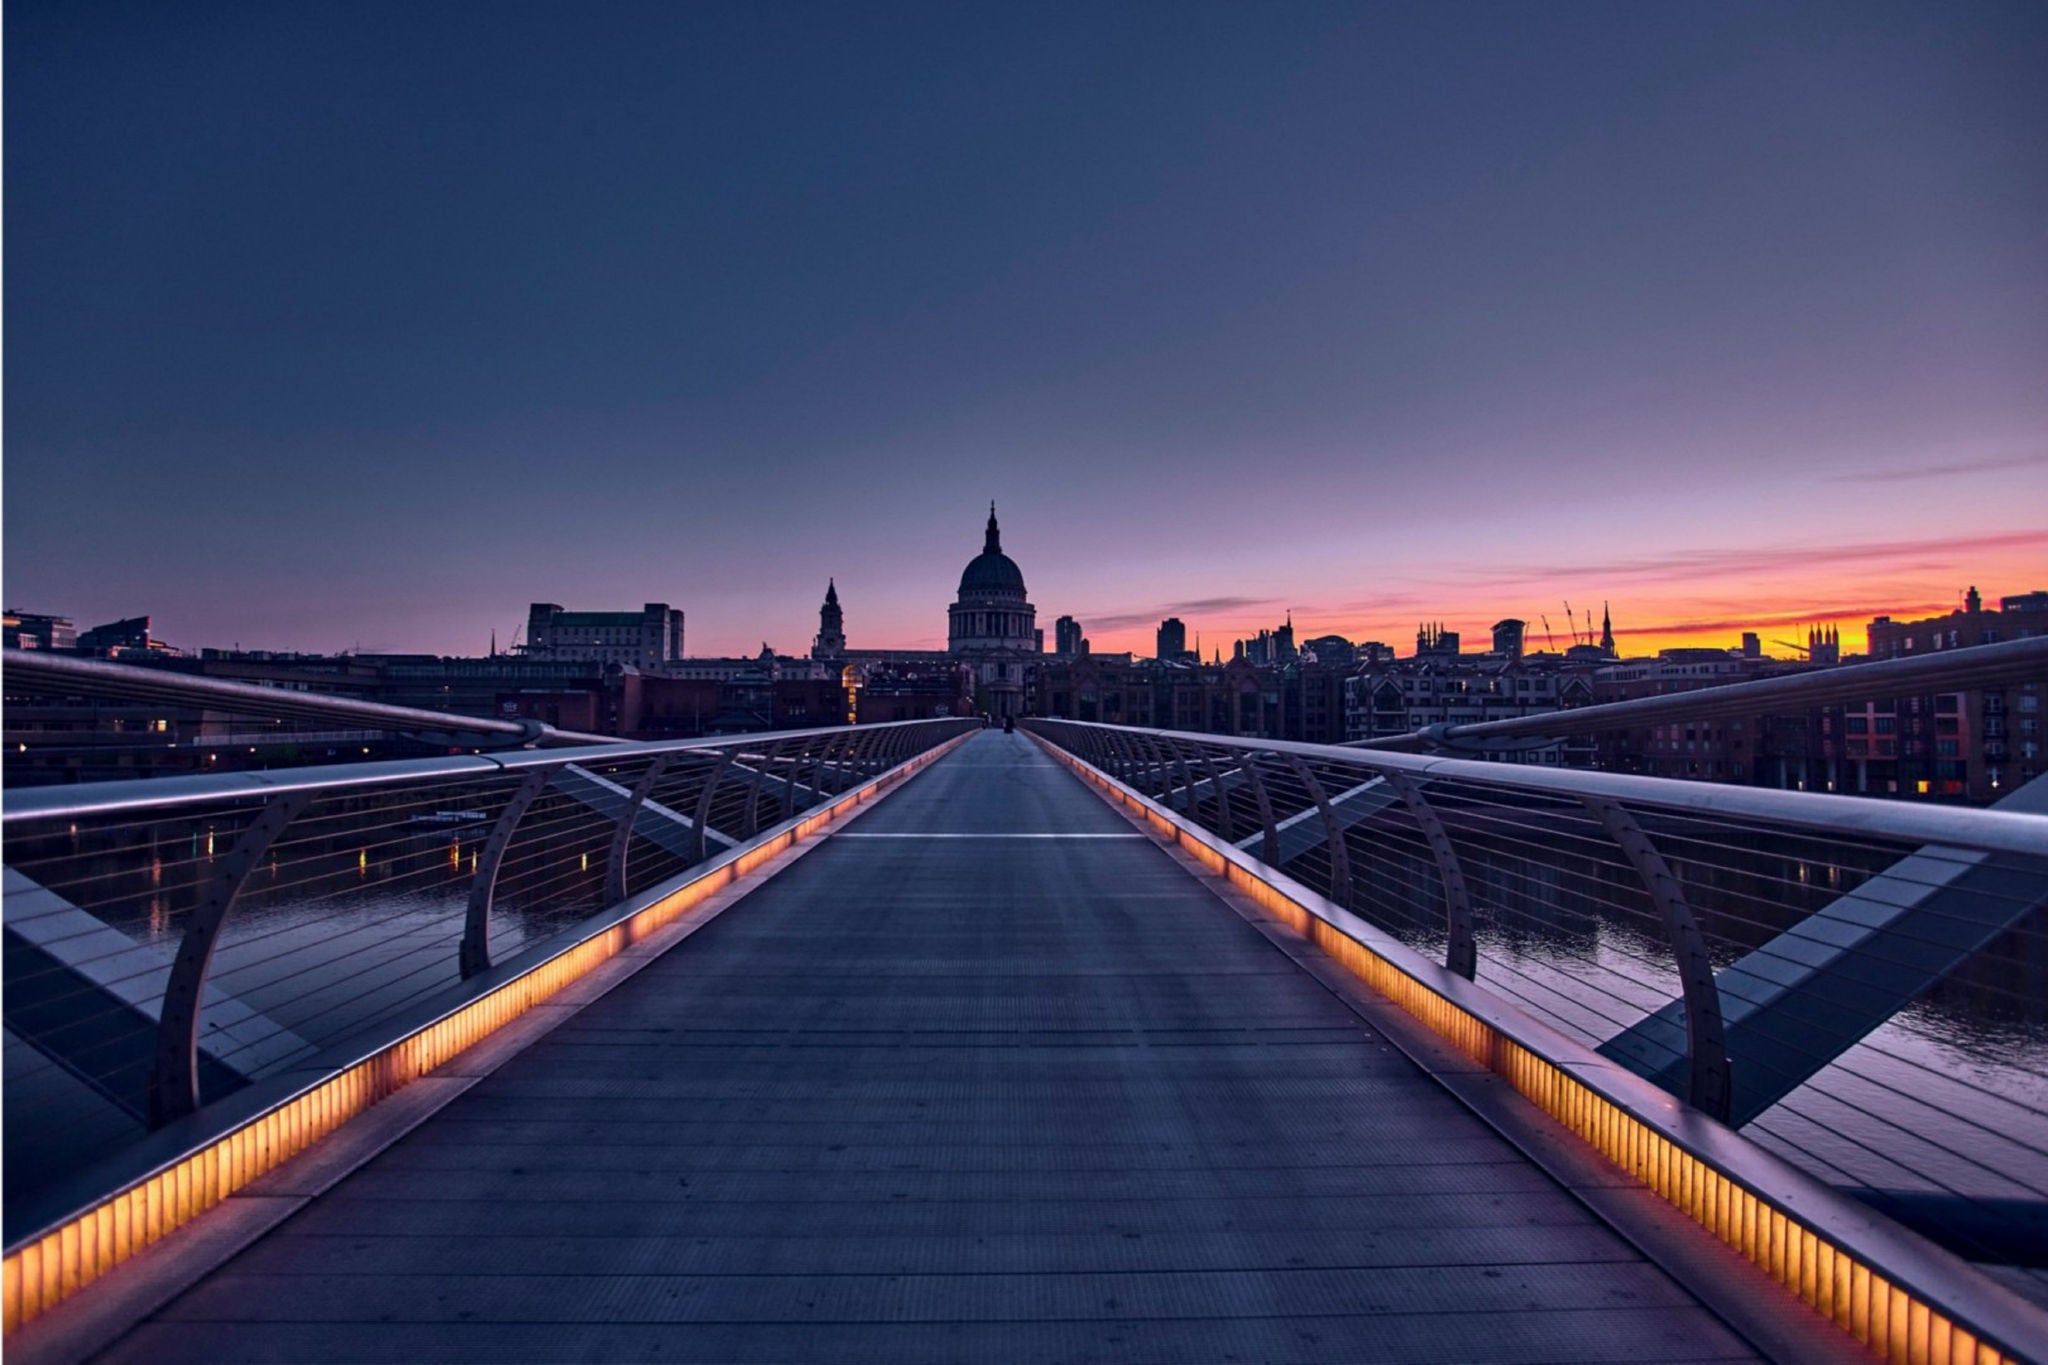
column 1844, row 1284
column 52, row 1266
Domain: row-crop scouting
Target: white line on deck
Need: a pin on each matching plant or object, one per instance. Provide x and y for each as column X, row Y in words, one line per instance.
column 856, row 834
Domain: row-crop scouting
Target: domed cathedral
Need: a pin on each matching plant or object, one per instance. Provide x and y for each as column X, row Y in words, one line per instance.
column 993, row 626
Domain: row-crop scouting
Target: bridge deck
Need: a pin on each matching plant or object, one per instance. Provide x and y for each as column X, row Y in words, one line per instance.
column 985, row 1076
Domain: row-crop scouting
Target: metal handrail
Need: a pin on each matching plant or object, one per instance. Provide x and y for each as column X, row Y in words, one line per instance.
column 86, row 799
column 63, row 674
column 2008, row 661
column 1985, row 831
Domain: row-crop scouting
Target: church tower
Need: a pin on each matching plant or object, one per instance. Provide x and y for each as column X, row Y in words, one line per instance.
column 1606, row 631
column 831, row 641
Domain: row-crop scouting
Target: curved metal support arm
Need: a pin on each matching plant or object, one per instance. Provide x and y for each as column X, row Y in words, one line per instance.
column 1340, row 856
column 475, row 954
column 1461, row 954
column 1152, row 764
column 771, row 756
column 1222, row 792
column 767, row 754
column 821, row 764
column 1269, row 844
column 1187, row 777
column 1711, row 1087
column 704, row 799
column 622, row 836
column 174, row 1078
column 1119, row 762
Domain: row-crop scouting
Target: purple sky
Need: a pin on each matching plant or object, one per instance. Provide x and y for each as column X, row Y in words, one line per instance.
column 362, row 324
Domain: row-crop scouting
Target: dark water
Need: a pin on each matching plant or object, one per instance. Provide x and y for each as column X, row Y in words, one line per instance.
column 1949, row 1096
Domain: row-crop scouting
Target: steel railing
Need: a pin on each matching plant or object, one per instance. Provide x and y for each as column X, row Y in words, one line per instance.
column 32, row 673
column 173, row 941
column 1952, row 670
column 1861, row 984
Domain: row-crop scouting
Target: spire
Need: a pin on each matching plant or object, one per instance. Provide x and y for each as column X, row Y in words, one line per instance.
column 994, row 544
column 831, row 593
column 1606, row 629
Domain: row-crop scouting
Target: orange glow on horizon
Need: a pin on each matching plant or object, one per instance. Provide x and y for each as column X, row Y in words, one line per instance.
column 1642, row 627
column 1779, row 639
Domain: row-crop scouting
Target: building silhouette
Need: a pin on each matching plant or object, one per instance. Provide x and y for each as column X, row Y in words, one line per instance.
column 651, row 637
column 1067, row 638
column 1172, row 639
column 831, row 641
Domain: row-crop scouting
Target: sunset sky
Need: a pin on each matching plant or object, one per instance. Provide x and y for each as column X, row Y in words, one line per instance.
column 360, row 325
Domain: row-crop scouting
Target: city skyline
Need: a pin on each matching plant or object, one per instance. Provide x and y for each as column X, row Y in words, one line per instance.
column 339, row 327
column 1243, row 617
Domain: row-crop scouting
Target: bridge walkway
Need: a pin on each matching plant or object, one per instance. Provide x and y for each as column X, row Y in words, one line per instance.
column 986, row 1076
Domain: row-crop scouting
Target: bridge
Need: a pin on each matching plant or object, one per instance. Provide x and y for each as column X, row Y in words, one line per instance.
column 928, row 1042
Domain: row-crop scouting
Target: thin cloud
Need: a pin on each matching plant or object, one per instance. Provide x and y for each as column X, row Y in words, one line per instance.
column 1942, row 471
column 1692, row 565
column 1152, row 616
column 1785, row 620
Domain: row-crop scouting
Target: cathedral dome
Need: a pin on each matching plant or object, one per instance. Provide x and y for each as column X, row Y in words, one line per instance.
column 991, row 571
